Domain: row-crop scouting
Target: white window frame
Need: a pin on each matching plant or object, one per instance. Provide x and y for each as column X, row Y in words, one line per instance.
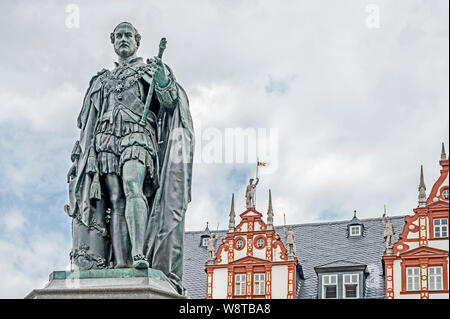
column 439, row 229
column 260, row 239
column 437, row 278
column 243, row 243
column 350, row 276
column 444, row 192
column 205, row 241
column 259, row 280
column 415, row 276
column 329, row 284
column 358, row 233
column 240, row 284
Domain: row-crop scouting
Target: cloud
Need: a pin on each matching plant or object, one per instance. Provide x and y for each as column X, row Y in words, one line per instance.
column 27, row 265
column 357, row 110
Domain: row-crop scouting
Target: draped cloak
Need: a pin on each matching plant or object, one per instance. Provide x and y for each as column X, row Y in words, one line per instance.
column 167, row 206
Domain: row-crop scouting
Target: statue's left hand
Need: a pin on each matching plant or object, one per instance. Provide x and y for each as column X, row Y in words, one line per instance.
column 159, row 71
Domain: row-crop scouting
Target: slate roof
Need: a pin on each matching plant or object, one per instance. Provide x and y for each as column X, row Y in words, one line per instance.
column 317, row 244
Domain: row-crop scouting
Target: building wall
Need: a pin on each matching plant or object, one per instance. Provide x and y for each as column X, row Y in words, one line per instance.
column 279, row 282
column 219, row 284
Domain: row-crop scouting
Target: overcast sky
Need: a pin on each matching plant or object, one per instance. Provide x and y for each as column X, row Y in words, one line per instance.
column 358, row 104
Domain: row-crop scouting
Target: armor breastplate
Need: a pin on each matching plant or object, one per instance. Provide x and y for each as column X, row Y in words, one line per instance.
column 124, row 94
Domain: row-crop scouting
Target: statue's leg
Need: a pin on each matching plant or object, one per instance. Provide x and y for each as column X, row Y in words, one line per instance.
column 118, row 225
column 136, row 209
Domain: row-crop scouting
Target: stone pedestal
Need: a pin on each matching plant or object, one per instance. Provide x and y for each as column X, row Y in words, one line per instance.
column 127, row 283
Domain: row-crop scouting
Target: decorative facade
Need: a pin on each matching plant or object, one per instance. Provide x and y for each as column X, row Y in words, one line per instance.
column 251, row 261
column 417, row 267
column 375, row 258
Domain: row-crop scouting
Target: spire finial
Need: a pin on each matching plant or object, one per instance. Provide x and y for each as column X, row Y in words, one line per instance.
column 443, row 155
column 354, row 213
column 232, row 215
column 422, row 182
column 422, row 189
column 270, row 212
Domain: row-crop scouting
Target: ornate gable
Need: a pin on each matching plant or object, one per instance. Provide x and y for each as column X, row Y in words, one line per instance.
column 251, row 257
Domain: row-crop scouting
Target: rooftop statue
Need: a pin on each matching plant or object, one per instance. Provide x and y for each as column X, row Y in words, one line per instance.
column 250, row 193
column 388, row 234
column 211, row 248
column 290, row 242
column 130, row 182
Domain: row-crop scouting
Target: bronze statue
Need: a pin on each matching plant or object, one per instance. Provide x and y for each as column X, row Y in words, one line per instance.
column 130, row 182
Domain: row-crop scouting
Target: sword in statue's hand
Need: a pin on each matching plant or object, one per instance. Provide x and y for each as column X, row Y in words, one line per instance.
column 162, row 47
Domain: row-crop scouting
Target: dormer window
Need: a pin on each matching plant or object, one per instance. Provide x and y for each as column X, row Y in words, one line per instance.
column 355, row 228
column 204, row 237
column 355, row 231
column 341, row 280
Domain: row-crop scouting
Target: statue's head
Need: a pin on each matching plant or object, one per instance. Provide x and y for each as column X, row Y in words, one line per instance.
column 250, row 181
column 126, row 39
column 290, row 228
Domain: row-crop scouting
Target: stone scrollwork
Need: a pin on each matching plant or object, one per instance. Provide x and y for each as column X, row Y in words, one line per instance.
column 86, row 260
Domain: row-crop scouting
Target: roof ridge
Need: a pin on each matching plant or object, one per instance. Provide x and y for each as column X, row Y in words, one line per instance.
column 311, row 224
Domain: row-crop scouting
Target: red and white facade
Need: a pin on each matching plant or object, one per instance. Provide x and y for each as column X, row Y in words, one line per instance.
column 251, row 263
column 418, row 267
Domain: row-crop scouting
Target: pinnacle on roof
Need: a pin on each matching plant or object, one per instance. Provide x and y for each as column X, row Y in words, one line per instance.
column 443, row 155
column 232, row 215
column 422, row 183
column 270, row 211
column 422, row 189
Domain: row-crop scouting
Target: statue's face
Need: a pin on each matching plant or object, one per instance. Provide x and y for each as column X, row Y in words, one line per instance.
column 125, row 43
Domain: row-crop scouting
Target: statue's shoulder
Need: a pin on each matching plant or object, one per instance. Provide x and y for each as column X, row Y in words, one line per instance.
column 103, row 73
column 96, row 81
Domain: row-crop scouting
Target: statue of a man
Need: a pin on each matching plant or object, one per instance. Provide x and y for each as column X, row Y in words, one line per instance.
column 388, row 234
column 290, row 242
column 137, row 168
column 250, row 193
column 211, row 247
